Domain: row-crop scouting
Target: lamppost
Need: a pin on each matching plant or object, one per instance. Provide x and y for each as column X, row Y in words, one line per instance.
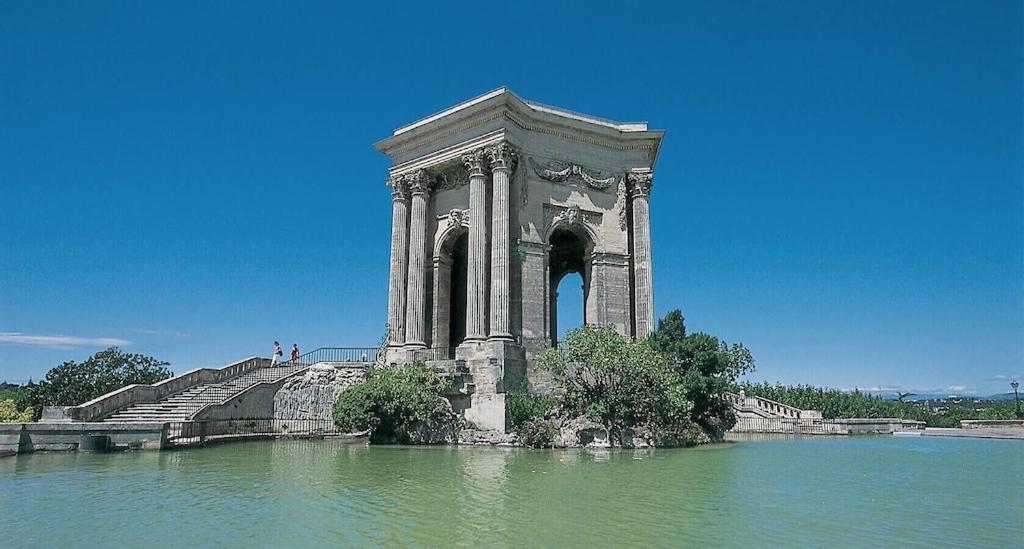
column 1016, row 398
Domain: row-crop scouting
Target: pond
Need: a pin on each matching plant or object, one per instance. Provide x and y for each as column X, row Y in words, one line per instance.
column 866, row 491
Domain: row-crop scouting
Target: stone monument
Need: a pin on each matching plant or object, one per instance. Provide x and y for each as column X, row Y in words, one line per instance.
column 495, row 200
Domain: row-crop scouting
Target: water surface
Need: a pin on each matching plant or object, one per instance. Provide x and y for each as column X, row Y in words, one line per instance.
column 868, row 491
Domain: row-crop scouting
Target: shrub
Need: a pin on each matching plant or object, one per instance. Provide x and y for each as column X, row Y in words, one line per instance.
column 537, row 433
column 9, row 413
column 393, row 403
column 522, row 406
column 619, row 383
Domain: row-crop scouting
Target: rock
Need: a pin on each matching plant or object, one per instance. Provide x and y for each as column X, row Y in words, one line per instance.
column 312, row 395
column 443, row 428
column 581, row 431
column 634, row 438
column 488, row 437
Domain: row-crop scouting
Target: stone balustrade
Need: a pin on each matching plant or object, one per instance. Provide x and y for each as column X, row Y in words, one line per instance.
column 102, row 406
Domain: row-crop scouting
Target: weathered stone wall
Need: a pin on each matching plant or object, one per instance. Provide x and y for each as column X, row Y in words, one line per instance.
column 312, row 396
column 66, row 436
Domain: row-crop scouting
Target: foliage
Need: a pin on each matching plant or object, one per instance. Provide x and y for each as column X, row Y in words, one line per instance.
column 391, row 402
column 521, row 406
column 73, row 383
column 9, row 412
column 837, row 404
column 704, row 367
column 537, row 432
column 19, row 394
column 617, row 382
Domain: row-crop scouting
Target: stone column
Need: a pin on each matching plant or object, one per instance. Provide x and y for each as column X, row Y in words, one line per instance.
column 476, row 280
column 641, row 182
column 399, row 257
column 415, row 320
column 442, row 301
column 503, row 162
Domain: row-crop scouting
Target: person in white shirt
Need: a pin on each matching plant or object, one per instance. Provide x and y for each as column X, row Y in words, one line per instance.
column 277, row 354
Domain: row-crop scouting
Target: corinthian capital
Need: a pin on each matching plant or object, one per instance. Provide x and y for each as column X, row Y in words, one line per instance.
column 641, row 181
column 502, row 156
column 420, row 182
column 399, row 188
column 475, row 162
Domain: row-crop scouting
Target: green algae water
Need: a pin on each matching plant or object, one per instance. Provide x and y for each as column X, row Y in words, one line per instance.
column 882, row 491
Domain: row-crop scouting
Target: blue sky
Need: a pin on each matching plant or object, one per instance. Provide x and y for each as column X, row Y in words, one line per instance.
column 840, row 187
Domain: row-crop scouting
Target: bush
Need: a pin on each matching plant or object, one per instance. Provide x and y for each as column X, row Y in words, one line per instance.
column 537, row 433
column 620, row 384
column 9, row 413
column 394, row 404
column 521, row 406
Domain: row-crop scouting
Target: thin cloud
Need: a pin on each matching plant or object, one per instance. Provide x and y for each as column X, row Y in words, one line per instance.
column 162, row 333
column 59, row 341
column 1005, row 377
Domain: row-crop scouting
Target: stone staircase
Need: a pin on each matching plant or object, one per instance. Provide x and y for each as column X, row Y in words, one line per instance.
column 183, row 405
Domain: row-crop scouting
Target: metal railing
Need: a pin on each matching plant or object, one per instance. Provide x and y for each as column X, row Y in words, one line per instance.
column 218, row 393
column 366, row 355
column 184, row 433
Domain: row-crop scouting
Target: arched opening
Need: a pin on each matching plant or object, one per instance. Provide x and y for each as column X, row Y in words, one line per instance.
column 569, row 299
column 569, row 255
column 457, row 291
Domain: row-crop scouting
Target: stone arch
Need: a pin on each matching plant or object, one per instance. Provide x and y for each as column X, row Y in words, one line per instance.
column 570, row 250
column 449, row 303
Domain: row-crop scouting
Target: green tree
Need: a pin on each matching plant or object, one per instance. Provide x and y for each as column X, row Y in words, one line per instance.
column 73, row 383
column 392, row 402
column 705, row 367
column 621, row 384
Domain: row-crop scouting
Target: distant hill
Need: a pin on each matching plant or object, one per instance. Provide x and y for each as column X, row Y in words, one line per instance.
column 1003, row 396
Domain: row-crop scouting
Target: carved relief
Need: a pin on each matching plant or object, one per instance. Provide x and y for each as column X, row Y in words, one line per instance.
column 561, row 171
column 475, row 162
column 452, row 177
column 419, row 182
column 620, row 199
column 399, row 188
column 502, row 156
column 524, row 188
column 457, row 217
column 571, row 215
column 641, row 181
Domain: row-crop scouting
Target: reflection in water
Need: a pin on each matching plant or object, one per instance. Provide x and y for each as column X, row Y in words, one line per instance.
column 807, row 491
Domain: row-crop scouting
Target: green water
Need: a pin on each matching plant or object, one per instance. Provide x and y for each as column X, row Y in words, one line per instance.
column 881, row 491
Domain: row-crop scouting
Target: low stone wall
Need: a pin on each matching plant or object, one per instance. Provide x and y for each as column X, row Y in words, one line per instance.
column 990, row 423
column 63, row 437
column 814, row 426
column 312, row 395
column 256, row 401
column 876, row 426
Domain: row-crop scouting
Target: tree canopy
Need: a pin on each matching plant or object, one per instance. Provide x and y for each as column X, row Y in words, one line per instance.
column 705, row 368
column 73, row 383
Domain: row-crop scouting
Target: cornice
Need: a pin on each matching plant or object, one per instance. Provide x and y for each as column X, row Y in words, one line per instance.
column 531, row 117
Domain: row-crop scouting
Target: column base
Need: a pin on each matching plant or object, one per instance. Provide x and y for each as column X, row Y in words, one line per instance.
column 500, row 337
